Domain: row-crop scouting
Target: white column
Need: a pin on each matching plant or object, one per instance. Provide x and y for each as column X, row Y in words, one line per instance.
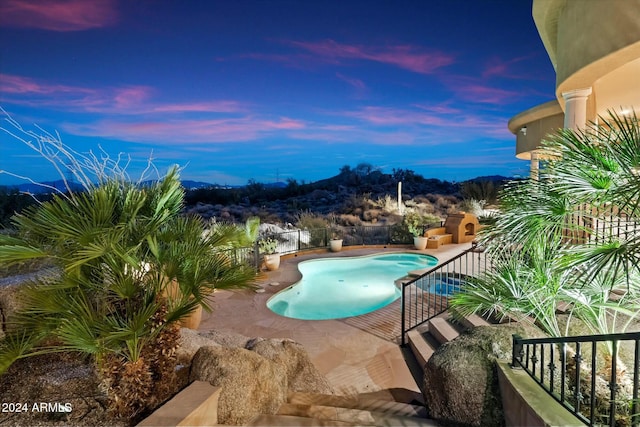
column 535, row 165
column 575, row 108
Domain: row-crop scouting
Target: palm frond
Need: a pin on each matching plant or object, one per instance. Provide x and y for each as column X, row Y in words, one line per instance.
column 10, row 254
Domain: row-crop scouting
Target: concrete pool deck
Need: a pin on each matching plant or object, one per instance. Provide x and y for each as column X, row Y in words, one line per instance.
column 357, row 354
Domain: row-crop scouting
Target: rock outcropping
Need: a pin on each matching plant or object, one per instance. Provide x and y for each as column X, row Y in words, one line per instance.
column 461, row 381
column 251, row 384
column 256, row 375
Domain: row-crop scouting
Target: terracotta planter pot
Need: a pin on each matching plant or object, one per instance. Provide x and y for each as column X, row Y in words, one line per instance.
column 192, row 321
column 272, row 261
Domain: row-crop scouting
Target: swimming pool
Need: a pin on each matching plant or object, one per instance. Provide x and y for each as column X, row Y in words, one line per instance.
column 442, row 284
column 334, row 288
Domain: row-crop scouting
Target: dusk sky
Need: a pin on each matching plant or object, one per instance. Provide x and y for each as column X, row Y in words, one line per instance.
column 273, row 90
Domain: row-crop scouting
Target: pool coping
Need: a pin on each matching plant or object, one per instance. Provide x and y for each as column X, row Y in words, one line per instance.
column 397, row 281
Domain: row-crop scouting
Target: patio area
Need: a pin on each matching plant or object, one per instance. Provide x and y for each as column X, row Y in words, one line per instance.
column 357, row 355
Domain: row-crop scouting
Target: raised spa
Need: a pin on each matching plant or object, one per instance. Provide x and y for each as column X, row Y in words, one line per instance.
column 334, row 288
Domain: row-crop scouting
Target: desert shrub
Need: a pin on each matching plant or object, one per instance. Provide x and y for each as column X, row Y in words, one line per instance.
column 308, row 220
column 433, row 197
column 399, row 234
column 422, row 200
column 480, row 190
column 371, row 214
column 317, row 226
column 349, row 220
column 415, row 222
column 427, row 208
column 453, row 209
column 443, row 203
column 387, row 203
column 394, row 219
column 472, row 206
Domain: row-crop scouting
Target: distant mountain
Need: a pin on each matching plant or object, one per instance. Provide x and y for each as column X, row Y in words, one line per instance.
column 42, row 188
column 193, row 185
column 492, row 178
column 327, row 184
column 48, row 186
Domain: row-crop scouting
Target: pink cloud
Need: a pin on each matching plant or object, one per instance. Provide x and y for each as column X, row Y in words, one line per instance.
column 223, row 106
column 416, row 125
column 25, row 85
column 131, row 96
column 486, row 94
column 385, row 116
column 117, row 100
column 496, row 67
column 356, row 83
column 38, row 93
column 412, row 58
column 438, row 109
column 475, row 90
column 188, row 130
column 407, row 57
column 58, row 15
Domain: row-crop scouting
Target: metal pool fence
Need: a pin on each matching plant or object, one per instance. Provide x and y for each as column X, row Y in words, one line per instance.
column 291, row 241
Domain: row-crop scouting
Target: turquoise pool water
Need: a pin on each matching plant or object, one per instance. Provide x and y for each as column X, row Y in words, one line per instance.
column 334, row 288
column 441, row 284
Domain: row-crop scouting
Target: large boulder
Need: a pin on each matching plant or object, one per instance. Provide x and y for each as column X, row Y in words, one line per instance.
column 292, row 361
column 251, row 384
column 461, row 381
column 190, row 343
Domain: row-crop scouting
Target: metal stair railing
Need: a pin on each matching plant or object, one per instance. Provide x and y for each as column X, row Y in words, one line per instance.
column 427, row 295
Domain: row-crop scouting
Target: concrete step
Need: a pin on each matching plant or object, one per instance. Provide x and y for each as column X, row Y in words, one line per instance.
column 332, row 413
column 395, row 421
column 442, row 330
column 352, row 416
column 288, row 420
column 398, row 394
column 360, row 402
column 421, row 348
column 472, row 321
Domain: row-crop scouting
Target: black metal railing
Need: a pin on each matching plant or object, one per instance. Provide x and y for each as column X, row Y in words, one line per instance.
column 427, row 296
column 590, row 224
column 595, row 377
column 292, row 241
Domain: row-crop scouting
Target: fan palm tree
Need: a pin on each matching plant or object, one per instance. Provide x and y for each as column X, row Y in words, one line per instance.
column 120, row 247
column 567, row 240
column 579, row 224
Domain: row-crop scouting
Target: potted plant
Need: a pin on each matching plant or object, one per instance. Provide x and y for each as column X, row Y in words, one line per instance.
column 335, row 243
column 415, row 225
column 268, row 247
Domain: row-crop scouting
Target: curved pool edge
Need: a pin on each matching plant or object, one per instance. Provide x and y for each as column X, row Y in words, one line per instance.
column 346, row 258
